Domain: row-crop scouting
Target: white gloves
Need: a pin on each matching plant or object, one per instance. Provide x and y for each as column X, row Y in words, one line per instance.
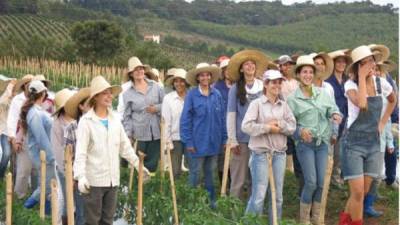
column 83, row 185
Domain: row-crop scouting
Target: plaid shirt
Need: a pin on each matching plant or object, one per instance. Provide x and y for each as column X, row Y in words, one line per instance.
column 70, row 136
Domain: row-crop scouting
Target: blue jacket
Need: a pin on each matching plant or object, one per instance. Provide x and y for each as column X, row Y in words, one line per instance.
column 203, row 123
column 39, row 127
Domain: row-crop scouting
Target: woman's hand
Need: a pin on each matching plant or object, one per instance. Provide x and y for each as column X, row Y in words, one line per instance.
column 306, row 135
column 191, row 149
column 337, row 118
column 151, row 109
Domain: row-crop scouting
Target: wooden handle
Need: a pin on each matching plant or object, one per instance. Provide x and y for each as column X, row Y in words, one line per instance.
column 273, row 191
column 171, row 176
column 162, row 145
column 54, row 202
column 139, row 219
column 42, row 184
column 132, row 172
column 69, row 185
column 226, row 168
column 325, row 190
column 9, row 192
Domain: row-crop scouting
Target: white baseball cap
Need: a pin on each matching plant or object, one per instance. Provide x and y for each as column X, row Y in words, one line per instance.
column 37, row 86
column 224, row 63
column 272, row 75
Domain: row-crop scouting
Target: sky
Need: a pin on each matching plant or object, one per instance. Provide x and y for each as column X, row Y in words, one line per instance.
column 288, row 2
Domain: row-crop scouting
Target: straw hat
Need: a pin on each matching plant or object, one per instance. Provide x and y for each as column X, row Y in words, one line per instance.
column 341, row 53
column 61, row 98
column 383, row 49
column 304, row 60
column 273, row 66
column 360, row 53
column 178, row 73
column 323, row 75
column 21, row 82
column 134, row 62
column 42, row 78
column 261, row 60
column 151, row 73
column 4, row 81
column 72, row 104
column 202, row 67
column 99, row 84
column 387, row 66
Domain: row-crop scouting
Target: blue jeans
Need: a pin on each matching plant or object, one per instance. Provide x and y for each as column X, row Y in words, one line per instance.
column 313, row 160
column 258, row 164
column 79, row 209
column 391, row 163
column 5, row 156
column 208, row 165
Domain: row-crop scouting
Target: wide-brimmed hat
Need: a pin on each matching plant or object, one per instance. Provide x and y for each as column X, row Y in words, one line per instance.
column 151, row 73
column 202, row 67
column 99, row 84
column 134, row 62
column 360, row 53
column 4, row 81
column 72, row 104
column 303, row 60
column 259, row 58
column 341, row 53
column 387, row 66
column 383, row 49
column 21, row 82
column 178, row 73
column 61, row 98
column 273, row 66
column 42, row 78
column 323, row 75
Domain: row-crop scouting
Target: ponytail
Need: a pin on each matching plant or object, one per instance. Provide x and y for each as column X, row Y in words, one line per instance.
column 32, row 98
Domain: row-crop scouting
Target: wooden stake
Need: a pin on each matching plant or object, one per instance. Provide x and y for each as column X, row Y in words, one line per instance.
column 132, row 171
column 69, row 189
column 325, row 190
column 272, row 188
column 139, row 213
column 171, row 178
column 9, row 192
column 162, row 145
column 42, row 184
column 226, row 169
column 54, row 202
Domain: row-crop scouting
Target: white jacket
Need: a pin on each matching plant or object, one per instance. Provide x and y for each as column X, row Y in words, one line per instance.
column 98, row 150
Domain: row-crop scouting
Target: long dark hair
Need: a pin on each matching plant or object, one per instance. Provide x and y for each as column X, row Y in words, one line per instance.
column 80, row 113
column 241, row 89
column 32, row 98
column 355, row 70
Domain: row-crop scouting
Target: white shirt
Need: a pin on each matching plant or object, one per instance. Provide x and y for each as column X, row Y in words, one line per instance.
column 329, row 89
column 13, row 114
column 5, row 101
column 171, row 112
column 121, row 107
column 98, row 150
column 354, row 110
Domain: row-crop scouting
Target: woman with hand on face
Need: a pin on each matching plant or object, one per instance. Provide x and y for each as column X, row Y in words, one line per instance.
column 243, row 68
column 365, row 122
column 313, row 110
column 142, row 113
column 203, row 126
column 268, row 121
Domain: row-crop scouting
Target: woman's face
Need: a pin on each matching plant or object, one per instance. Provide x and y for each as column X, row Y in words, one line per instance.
column 104, row 98
column 320, row 64
column 249, row 69
column 340, row 64
column 179, row 84
column 138, row 73
column 273, row 87
column 306, row 75
column 204, row 78
column 378, row 71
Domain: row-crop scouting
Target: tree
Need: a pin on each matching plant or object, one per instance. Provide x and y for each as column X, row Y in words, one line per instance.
column 97, row 40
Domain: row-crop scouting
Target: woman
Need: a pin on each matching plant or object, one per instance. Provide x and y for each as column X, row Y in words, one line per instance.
column 100, row 144
column 171, row 112
column 60, row 122
column 360, row 140
column 313, row 109
column 36, row 125
column 75, row 108
column 142, row 113
column 243, row 69
column 268, row 121
column 203, row 114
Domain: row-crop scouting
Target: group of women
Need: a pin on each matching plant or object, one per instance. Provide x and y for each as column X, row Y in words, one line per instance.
column 262, row 110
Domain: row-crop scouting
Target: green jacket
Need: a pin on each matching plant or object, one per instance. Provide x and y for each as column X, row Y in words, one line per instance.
column 313, row 113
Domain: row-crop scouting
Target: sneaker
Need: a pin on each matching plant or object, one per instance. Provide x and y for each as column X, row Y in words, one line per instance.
column 394, row 185
column 30, row 203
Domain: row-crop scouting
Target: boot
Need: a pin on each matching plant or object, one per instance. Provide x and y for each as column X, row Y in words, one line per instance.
column 369, row 210
column 358, row 222
column 344, row 219
column 315, row 211
column 305, row 213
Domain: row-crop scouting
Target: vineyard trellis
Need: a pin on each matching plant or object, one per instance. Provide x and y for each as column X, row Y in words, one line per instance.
column 61, row 74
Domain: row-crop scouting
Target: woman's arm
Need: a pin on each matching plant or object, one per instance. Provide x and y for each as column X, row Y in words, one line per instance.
column 389, row 109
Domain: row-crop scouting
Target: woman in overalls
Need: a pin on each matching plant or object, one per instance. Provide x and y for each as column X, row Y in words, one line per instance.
column 360, row 143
